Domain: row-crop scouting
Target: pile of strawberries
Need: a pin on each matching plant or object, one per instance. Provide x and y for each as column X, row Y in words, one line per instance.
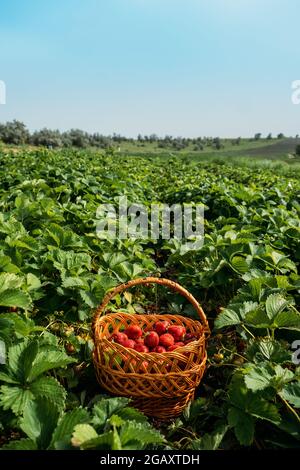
column 163, row 338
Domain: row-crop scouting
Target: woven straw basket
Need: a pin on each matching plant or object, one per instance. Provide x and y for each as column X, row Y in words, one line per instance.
column 161, row 385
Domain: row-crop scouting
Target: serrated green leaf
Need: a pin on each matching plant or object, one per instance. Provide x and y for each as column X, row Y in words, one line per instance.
column 32, row 282
column 227, row 318
column 22, row 325
column 61, row 438
column 211, row 441
column 26, row 360
column 9, row 281
column 137, row 435
column 39, row 421
column 51, row 389
column 5, row 377
column 14, row 353
column 6, row 329
column 70, row 282
column 14, row 398
column 103, row 442
column 250, row 402
column 15, row 298
column 82, row 434
column 243, row 425
column 291, row 393
column 239, row 264
column 89, row 298
column 262, row 409
column 132, row 414
column 275, row 304
column 288, row 319
column 105, row 408
column 47, row 360
column 257, row 319
column 259, row 377
column 22, row 444
column 268, row 350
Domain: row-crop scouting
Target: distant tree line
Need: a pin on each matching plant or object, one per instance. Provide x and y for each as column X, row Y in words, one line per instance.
column 16, row 133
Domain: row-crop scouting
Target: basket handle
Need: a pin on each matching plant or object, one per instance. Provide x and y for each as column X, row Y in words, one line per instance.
column 152, row 280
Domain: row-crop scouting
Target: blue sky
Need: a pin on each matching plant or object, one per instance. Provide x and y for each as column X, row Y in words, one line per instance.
column 180, row 67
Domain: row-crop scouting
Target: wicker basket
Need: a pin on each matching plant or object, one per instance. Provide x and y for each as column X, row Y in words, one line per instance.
column 161, row 385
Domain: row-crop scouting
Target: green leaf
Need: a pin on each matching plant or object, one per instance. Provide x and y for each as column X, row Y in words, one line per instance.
column 82, row 434
column 132, row 414
column 250, row 402
column 61, row 438
column 48, row 359
column 288, row 319
column 33, row 282
column 16, row 358
column 39, row 421
column 227, row 318
column 247, row 308
column 275, row 304
column 194, row 409
column 259, row 377
column 135, row 436
column 291, row 393
column 105, row 408
column 70, row 282
column 23, row 326
column 10, row 281
column 262, row 409
column 268, row 350
column 22, row 444
column 211, row 441
column 257, row 319
column 89, row 298
column 26, row 360
column 239, row 264
column 282, row 376
column 6, row 329
column 103, row 442
column 243, row 425
column 51, row 389
column 15, row 298
column 5, row 377
column 14, row 398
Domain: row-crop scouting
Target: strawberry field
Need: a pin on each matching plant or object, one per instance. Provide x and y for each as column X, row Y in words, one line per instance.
column 55, row 270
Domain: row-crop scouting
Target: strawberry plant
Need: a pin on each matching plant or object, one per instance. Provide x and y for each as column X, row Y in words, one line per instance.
column 54, row 270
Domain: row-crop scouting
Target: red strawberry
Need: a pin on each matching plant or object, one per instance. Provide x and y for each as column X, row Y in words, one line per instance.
column 120, row 338
column 133, row 332
column 175, row 346
column 161, row 327
column 177, row 332
column 172, row 348
column 129, row 343
column 151, row 340
column 139, row 341
column 166, row 340
column 141, row 348
column 160, row 349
